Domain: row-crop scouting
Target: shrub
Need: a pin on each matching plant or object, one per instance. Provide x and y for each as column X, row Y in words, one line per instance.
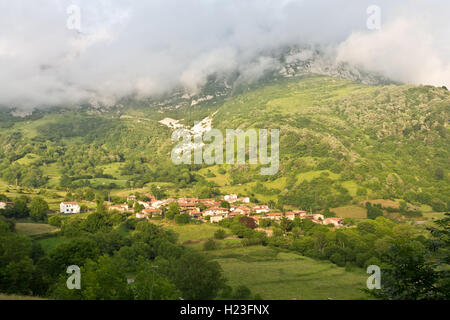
column 210, row 245
column 373, row 211
column 131, row 223
column 372, row 261
column 264, row 223
column 220, row 234
column 226, row 292
column 182, row 218
column 55, row 221
column 338, row 259
column 38, row 209
column 438, row 205
column 348, row 267
column 251, row 242
column 241, row 292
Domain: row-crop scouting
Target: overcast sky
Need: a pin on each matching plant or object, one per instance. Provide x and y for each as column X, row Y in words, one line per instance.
column 147, row 47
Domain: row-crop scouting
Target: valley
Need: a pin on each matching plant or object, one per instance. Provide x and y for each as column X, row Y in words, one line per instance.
column 372, row 156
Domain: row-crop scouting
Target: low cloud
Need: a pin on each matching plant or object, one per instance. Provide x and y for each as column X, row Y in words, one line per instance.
column 405, row 50
column 143, row 48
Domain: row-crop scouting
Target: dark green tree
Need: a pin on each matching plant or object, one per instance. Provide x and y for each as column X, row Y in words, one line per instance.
column 407, row 273
column 39, row 209
column 197, row 277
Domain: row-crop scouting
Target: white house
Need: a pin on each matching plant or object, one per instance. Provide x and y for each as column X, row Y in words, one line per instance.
column 261, row 209
column 337, row 222
column 230, row 197
column 216, row 218
column 152, row 212
column 318, row 216
column 158, row 204
column 244, row 199
column 119, row 207
column 147, row 205
column 4, row 205
column 215, row 211
column 141, row 215
column 69, row 208
column 275, row 216
column 295, row 214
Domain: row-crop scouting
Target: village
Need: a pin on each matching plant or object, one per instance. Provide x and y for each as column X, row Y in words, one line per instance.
column 206, row 210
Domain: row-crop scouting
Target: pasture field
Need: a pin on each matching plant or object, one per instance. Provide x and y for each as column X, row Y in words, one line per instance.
column 190, row 232
column 386, row 203
column 280, row 275
column 34, row 229
column 274, row 273
column 434, row 215
column 308, row 176
column 354, row 212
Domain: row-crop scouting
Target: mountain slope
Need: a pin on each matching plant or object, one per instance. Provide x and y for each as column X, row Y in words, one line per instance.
column 341, row 141
column 391, row 140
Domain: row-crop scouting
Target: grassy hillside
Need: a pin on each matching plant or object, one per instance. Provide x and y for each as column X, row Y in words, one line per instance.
column 286, row 275
column 32, row 229
column 274, row 273
column 341, row 143
column 376, row 141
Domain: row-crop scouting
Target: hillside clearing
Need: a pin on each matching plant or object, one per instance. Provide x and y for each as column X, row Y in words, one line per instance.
column 354, row 212
column 33, row 229
column 190, row 232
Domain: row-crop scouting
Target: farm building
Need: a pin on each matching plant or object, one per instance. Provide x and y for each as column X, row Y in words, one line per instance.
column 69, row 208
column 337, row 222
column 119, row 207
column 216, row 218
column 214, row 211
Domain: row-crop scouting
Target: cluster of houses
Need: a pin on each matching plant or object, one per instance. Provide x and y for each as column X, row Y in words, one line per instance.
column 203, row 209
column 207, row 209
column 214, row 212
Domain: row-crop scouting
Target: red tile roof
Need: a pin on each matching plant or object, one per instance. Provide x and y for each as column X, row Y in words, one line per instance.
column 151, row 210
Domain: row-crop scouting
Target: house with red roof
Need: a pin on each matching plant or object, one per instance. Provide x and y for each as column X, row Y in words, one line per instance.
column 216, row 218
column 215, row 210
column 337, row 222
column 274, row 215
column 119, row 207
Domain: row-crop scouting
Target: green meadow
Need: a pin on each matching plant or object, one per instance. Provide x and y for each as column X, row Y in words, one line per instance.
column 274, row 273
column 282, row 275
